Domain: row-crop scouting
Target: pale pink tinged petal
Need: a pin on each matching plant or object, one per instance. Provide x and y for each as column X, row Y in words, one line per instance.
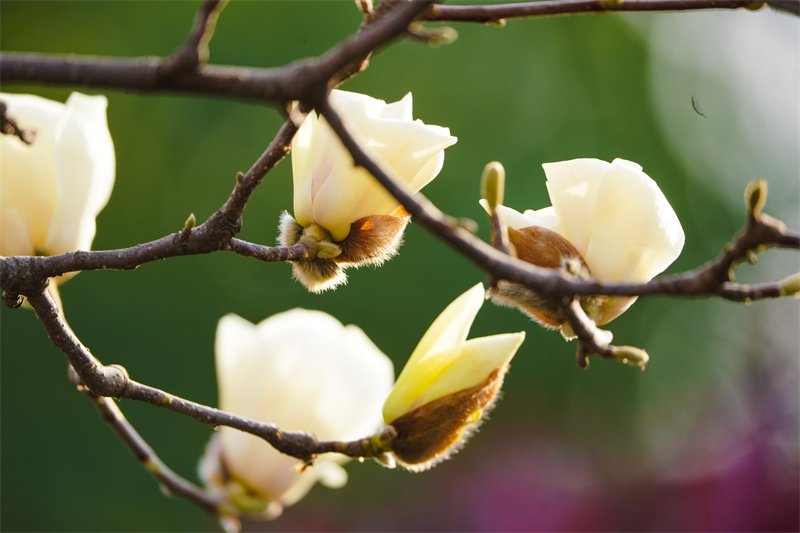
column 573, row 187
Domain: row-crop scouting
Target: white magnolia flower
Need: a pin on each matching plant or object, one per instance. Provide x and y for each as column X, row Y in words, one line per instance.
column 300, row 370
column 616, row 223
column 52, row 190
column 447, row 384
column 335, row 201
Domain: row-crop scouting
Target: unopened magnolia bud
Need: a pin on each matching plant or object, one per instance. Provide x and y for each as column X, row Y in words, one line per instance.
column 755, row 196
column 431, row 433
column 371, row 241
column 616, row 221
column 790, row 286
column 493, row 184
column 547, row 249
column 630, row 355
column 447, row 383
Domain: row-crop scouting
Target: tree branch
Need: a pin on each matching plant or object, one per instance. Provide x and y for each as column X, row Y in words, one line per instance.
column 497, row 14
column 168, row 478
column 194, row 52
column 113, row 381
column 762, row 231
column 306, row 80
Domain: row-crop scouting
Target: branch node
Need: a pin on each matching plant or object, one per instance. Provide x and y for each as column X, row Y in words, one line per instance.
column 8, row 126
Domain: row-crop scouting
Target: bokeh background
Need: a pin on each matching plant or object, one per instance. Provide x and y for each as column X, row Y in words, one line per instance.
column 705, row 439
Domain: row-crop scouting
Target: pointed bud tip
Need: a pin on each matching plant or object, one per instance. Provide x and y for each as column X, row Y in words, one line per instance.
column 755, row 196
column 493, row 184
column 790, row 286
column 630, row 355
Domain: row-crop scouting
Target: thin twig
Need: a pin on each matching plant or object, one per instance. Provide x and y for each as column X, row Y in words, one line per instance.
column 497, row 14
column 168, row 478
column 194, row 51
column 113, row 381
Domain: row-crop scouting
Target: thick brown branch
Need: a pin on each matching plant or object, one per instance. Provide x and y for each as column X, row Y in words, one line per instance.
column 306, row 80
column 500, row 12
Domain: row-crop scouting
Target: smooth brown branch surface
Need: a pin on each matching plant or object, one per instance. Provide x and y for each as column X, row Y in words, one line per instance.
column 498, row 13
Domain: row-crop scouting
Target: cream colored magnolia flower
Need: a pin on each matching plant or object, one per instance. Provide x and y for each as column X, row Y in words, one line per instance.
column 52, row 190
column 608, row 221
column 447, row 384
column 300, row 370
column 336, row 202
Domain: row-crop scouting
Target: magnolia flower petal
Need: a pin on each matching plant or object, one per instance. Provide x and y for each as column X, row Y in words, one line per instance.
column 636, row 234
column 573, row 187
column 440, row 345
column 300, row 370
column 331, row 191
column 28, row 183
column 451, row 327
column 545, row 218
column 85, row 163
column 411, row 389
column 303, row 165
column 237, row 359
column 400, row 110
column 477, row 359
column 412, row 150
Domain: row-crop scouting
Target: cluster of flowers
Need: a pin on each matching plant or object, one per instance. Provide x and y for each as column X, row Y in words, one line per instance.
column 608, row 221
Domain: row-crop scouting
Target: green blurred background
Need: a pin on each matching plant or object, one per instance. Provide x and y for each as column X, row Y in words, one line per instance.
column 705, row 439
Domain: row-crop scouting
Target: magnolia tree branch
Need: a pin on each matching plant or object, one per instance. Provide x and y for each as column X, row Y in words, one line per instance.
column 194, row 51
column 497, row 14
column 308, row 81
column 170, row 481
column 305, row 80
column 112, row 381
column 762, row 231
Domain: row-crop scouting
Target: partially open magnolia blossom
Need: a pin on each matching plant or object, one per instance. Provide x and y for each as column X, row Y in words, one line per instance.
column 343, row 206
column 608, row 221
column 52, row 189
column 300, row 370
column 448, row 383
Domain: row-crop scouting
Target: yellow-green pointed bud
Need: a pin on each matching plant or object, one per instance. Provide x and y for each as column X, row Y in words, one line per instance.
column 755, row 196
column 493, row 185
column 630, row 355
column 791, row 286
column 447, row 384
